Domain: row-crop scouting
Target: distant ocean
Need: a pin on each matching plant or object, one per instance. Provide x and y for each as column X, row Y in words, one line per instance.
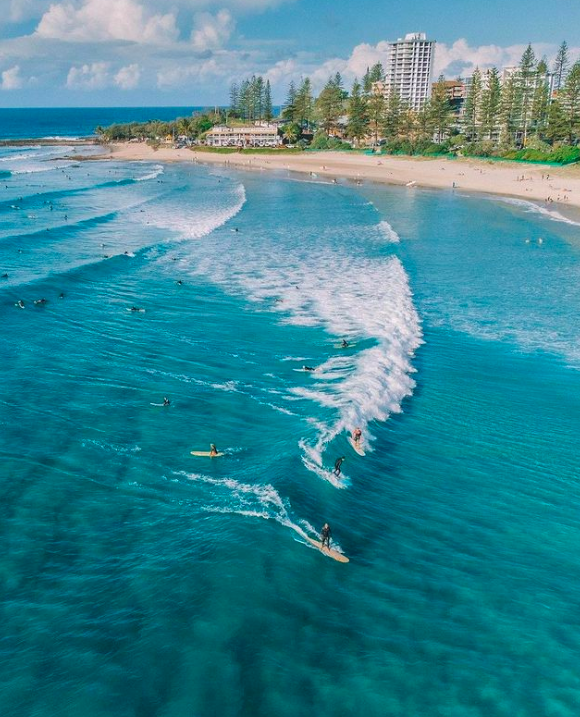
column 78, row 121
column 140, row 581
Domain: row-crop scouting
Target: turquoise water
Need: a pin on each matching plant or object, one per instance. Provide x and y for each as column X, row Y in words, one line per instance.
column 140, row 581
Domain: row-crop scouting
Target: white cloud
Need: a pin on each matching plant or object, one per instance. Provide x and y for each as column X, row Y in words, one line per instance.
column 461, row 59
column 102, row 20
column 212, row 31
column 11, row 79
column 127, row 78
column 88, row 77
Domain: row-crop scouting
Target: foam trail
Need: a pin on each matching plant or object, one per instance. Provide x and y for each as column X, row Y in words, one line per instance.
column 157, row 171
column 254, row 501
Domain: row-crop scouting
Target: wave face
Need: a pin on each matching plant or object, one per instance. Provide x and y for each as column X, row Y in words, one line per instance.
column 331, row 275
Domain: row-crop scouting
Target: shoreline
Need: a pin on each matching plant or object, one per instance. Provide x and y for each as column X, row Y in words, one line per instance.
column 540, row 182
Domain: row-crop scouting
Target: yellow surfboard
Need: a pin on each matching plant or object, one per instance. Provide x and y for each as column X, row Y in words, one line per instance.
column 328, row 551
column 207, row 454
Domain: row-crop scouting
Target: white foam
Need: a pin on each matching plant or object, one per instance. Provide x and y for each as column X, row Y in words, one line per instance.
column 199, row 219
column 157, row 171
column 252, row 500
column 538, row 209
column 388, row 232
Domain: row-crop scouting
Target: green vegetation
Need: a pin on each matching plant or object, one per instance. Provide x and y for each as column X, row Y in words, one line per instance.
column 527, row 114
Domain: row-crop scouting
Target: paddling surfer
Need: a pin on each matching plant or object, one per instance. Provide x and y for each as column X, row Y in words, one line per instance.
column 308, row 368
column 213, row 451
column 166, row 401
column 337, row 465
column 325, row 535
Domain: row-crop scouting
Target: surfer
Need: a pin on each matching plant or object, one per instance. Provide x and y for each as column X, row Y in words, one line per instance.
column 179, row 282
column 135, row 308
column 357, row 436
column 325, row 535
column 337, row 465
column 61, row 295
column 4, row 276
column 166, row 401
column 344, row 344
column 308, row 368
column 213, row 451
column 20, row 304
column 38, row 302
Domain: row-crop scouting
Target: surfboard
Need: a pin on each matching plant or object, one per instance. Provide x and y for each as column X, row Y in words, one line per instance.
column 340, row 346
column 303, row 370
column 357, row 446
column 139, row 311
column 158, row 404
column 207, row 454
column 334, row 554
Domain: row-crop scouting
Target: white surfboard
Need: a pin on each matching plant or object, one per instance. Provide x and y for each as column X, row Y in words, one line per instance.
column 357, row 445
column 340, row 346
column 138, row 311
column 207, row 454
column 303, row 370
column 330, row 552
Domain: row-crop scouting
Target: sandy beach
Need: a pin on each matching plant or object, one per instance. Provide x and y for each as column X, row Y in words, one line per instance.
column 541, row 183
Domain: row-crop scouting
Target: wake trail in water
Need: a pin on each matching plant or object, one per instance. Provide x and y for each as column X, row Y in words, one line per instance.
column 252, row 500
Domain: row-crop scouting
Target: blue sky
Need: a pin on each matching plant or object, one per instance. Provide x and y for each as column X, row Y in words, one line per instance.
column 176, row 52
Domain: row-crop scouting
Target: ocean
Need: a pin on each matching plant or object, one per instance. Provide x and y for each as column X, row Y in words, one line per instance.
column 140, row 581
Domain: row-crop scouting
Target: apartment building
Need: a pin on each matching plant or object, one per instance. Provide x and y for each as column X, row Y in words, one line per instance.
column 409, row 69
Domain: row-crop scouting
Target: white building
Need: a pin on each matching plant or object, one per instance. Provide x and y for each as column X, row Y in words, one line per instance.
column 250, row 136
column 409, row 69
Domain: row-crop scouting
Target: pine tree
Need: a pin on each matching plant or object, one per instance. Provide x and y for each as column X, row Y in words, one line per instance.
column 561, row 66
column 473, row 107
column 571, row 102
column 490, row 104
column 367, row 82
column 245, row 100
column 234, row 97
column 268, row 111
column 289, row 105
column 394, row 113
column 509, row 110
column 258, row 97
column 377, row 73
column 526, row 77
column 376, row 107
column 440, row 110
column 329, row 103
column 540, row 100
column 356, row 128
column 304, row 103
column 557, row 129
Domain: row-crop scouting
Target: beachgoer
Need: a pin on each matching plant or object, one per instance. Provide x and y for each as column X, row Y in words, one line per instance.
column 213, row 451
column 337, row 466
column 166, row 401
column 325, row 535
column 357, row 435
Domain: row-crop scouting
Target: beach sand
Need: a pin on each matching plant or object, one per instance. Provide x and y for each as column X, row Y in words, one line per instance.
column 540, row 182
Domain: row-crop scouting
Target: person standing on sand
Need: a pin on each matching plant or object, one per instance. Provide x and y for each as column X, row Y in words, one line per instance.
column 325, row 535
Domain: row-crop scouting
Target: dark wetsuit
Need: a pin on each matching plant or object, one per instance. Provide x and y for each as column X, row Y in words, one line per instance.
column 325, row 535
column 337, row 466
